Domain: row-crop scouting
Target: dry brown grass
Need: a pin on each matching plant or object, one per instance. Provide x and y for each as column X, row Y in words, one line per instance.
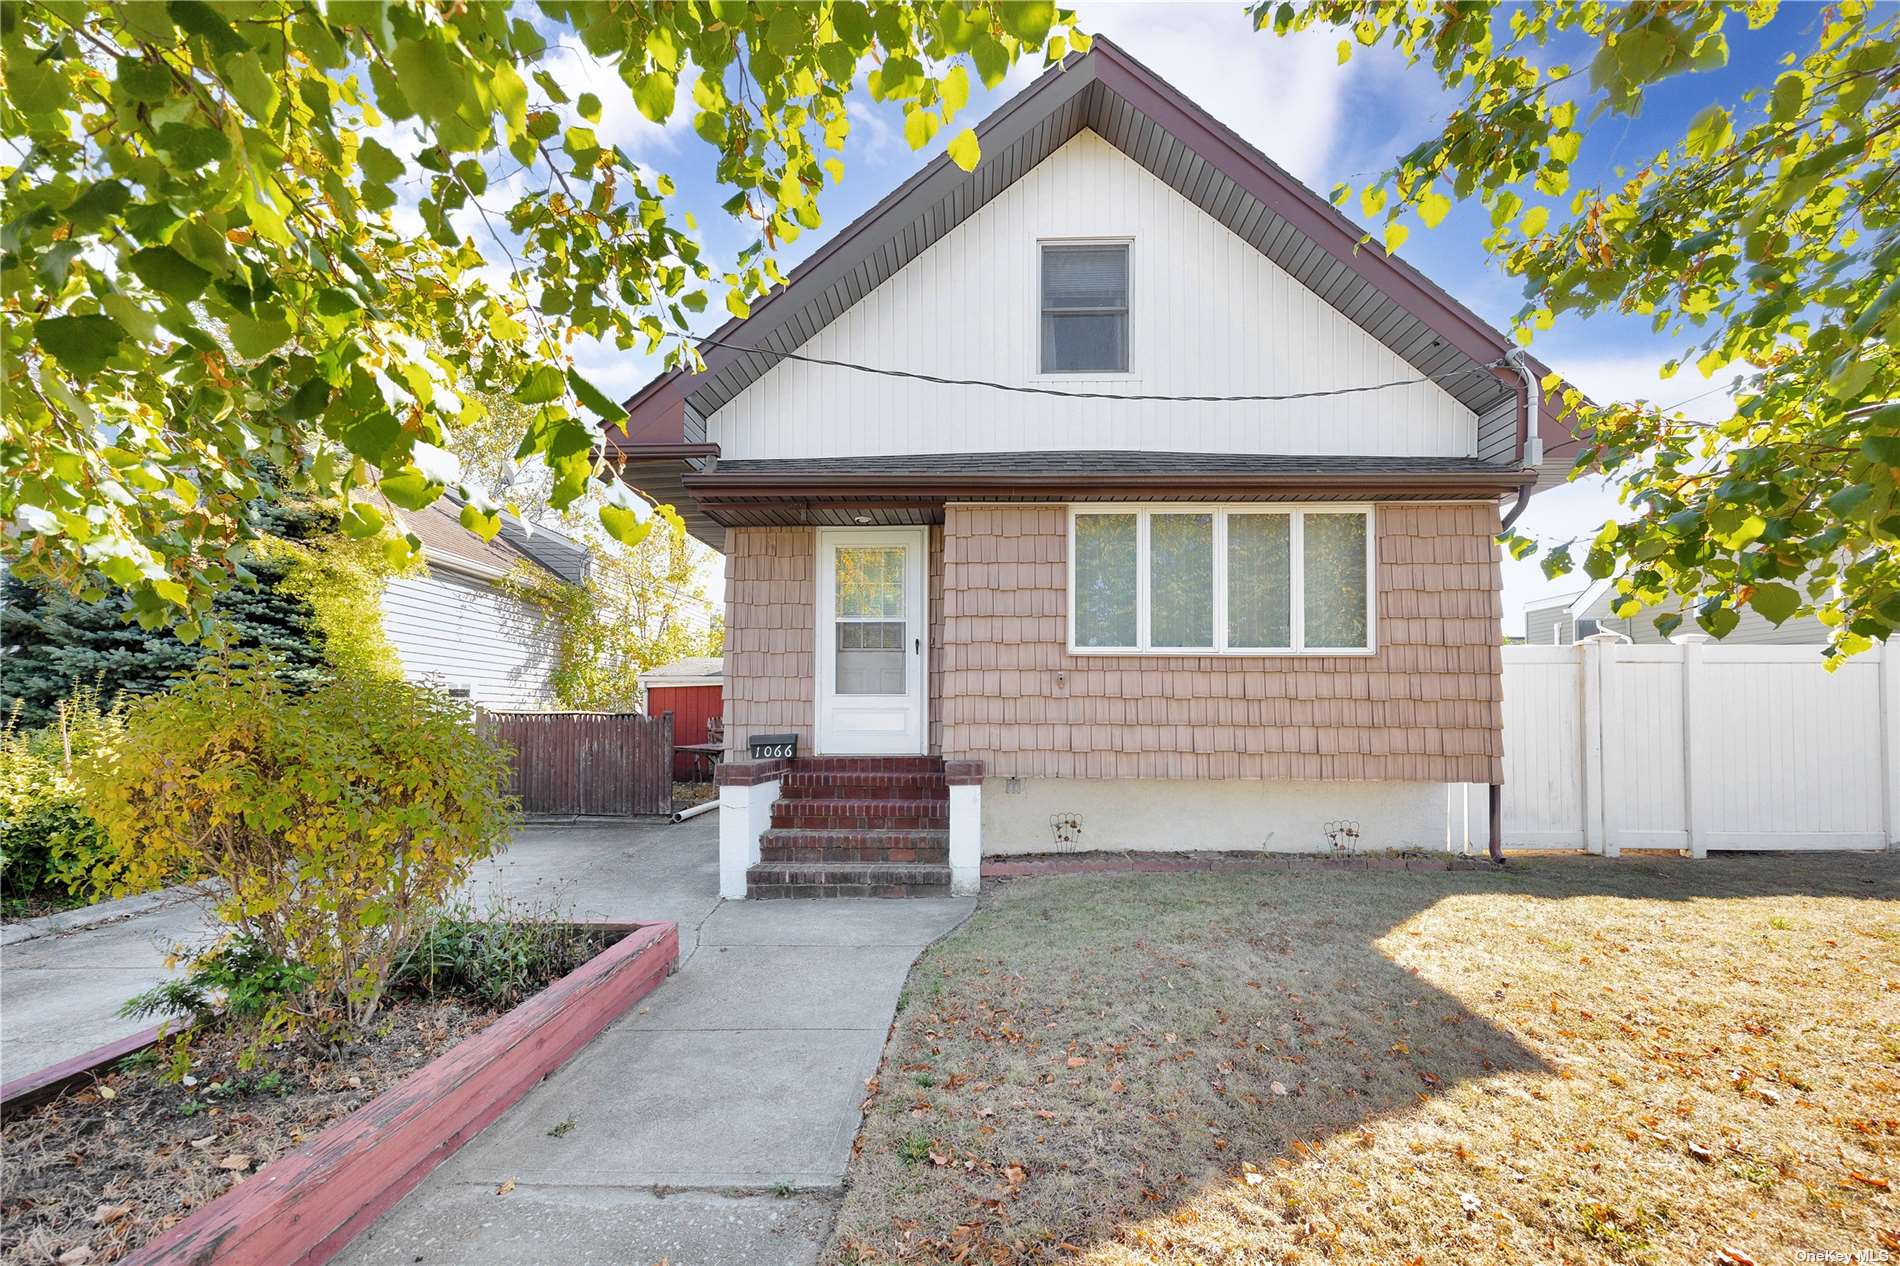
column 1575, row 1061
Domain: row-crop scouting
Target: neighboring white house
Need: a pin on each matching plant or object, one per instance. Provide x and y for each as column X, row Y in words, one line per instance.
column 1570, row 617
column 452, row 627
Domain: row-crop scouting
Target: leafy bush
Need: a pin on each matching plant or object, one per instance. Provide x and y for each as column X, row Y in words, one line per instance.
column 50, row 844
column 237, row 979
column 498, row 959
column 336, row 821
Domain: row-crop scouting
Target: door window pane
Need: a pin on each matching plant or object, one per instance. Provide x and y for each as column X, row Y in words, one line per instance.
column 1085, row 309
column 1259, row 580
column 871, row 657
column 1181, row 584
column 1105, row 576
column 1334, row 557
column 871, row 582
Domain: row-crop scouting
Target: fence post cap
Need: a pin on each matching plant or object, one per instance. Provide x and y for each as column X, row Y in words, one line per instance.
column 1691, row 639
column 1606, row 639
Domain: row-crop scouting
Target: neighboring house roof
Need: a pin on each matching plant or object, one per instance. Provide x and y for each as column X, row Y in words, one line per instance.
column 694, row 670
column 447, row 543
column 1555, row 600
column 1110, row 93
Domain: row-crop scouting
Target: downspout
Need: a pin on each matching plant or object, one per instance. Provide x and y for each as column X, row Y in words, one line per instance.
column 1531, row 450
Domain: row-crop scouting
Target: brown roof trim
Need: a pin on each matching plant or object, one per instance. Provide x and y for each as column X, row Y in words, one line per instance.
column 626, row 450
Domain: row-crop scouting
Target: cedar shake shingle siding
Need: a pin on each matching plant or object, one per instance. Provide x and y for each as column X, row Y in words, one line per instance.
column 1005, row 690
column 1425, row 707
column 770, row 595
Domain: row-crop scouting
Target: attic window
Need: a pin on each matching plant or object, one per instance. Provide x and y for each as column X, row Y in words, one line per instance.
column 1085, row 308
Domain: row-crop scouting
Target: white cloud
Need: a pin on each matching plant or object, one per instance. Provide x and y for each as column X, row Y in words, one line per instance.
column 1288, row 96
column 576, row 70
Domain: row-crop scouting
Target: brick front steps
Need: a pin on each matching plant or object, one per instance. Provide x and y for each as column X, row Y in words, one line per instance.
column 857, row 826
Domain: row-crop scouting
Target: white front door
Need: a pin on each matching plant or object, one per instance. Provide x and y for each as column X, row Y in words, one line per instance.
column 871, row 631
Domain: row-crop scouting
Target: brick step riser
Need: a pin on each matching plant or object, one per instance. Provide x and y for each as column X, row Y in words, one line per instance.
column 767, row 881
column 845, row 854
column 861, row 815
column 814, row 892
column 865, row 791
column 868, row 764
column 783, row 820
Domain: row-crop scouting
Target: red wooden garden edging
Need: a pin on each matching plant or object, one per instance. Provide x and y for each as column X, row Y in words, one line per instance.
column 302, row 1209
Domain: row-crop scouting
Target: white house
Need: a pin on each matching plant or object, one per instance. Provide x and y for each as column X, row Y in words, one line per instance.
column 452, row 626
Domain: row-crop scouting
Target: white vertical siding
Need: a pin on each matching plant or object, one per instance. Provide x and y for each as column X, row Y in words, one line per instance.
column 457, row 632
column 1209, row 315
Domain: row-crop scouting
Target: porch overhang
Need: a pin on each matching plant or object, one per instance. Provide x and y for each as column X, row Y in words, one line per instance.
column 913, row 489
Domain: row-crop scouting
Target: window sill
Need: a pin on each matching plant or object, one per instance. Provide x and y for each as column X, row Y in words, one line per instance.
column 1131, row 380
column 1190, row 653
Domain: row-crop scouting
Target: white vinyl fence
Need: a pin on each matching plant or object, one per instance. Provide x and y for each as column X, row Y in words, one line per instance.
column 1699, row 746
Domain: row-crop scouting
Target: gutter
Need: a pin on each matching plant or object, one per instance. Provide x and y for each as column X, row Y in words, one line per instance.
column 721, row 486
column 1530, row 448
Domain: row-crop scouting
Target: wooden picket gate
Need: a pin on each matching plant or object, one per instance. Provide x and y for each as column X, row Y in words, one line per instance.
column 592, row 764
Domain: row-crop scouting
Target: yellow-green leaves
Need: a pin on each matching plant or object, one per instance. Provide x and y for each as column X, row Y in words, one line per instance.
column 1710, row 132
column 653, row 93
column 1433, row 207
column 964, row 150
column 210, row 246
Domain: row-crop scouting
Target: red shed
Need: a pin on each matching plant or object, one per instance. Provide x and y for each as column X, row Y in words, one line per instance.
column 693, row 690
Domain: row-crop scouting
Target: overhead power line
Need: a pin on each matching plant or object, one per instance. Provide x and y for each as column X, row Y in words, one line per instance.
column 1016, row 389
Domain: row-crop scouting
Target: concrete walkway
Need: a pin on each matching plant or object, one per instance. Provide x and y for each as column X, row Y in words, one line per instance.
column 710, row 1126
column 64, row 977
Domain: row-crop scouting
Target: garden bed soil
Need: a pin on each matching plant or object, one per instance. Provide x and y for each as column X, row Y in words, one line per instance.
column 99, row 1171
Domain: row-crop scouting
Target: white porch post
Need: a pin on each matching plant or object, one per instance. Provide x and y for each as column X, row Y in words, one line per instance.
column 745, row 813
column 966, row 825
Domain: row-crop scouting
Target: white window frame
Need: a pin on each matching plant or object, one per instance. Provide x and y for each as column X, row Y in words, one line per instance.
column 1296, row 584
column 1094, row 375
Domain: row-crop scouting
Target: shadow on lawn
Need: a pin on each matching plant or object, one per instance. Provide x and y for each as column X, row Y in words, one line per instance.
column 1221, row 1024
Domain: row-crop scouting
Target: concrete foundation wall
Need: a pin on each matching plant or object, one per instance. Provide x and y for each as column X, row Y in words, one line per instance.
column 1164, row 814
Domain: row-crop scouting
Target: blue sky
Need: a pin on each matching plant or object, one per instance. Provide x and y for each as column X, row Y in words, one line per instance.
column 1324, row 122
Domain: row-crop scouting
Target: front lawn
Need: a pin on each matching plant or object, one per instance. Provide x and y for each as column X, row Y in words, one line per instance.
column 1575, row 1061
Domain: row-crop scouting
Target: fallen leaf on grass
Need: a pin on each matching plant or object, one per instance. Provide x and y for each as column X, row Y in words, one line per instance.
column 1733, row 1257
column 505, row 1188
column 237, row 1160
column 75, row 1256
column 109, row 1213
column 1076, row 1061
column 1471, row 1205
column 1878, row 1184
column 1701, row 1153
column 1278, row 1088
column 204, row 1142
column 107, row 1092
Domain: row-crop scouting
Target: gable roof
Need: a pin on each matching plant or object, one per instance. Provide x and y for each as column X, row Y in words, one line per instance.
column 1110, row 93
column 438, row 526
